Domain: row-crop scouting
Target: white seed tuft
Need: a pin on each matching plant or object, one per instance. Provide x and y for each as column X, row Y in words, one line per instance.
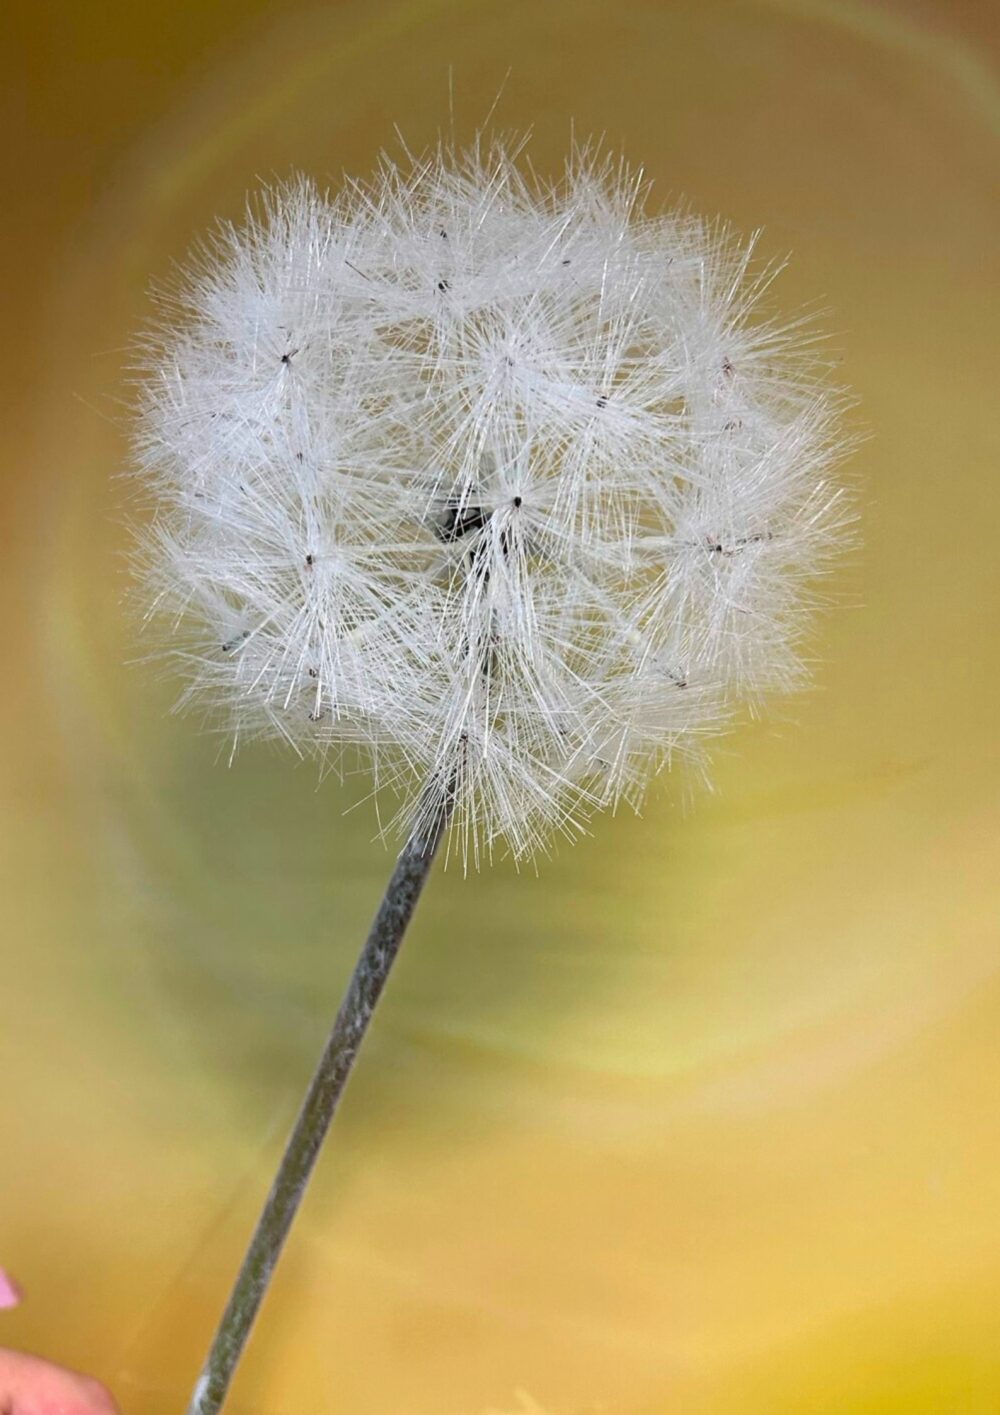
column 506, row 484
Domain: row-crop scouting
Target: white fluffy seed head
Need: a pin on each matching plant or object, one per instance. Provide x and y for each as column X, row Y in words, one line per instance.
column 508, row 484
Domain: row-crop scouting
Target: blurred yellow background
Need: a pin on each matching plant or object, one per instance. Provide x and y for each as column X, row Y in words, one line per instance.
column 705, row 1118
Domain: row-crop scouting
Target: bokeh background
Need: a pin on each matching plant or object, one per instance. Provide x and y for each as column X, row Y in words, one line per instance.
column 703, row 1119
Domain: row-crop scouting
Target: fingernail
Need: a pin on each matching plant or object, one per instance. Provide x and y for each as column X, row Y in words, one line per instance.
column 10, row 1293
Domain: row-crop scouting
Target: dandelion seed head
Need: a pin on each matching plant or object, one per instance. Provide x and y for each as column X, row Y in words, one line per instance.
column 500, row 482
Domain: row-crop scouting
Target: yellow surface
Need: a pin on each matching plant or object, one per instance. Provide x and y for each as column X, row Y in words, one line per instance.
column 706, row 1117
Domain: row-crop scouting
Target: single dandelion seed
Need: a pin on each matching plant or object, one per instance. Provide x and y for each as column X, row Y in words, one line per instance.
column 512, row 485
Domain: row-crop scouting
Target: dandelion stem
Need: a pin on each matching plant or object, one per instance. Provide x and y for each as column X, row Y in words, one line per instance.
column 325, row 1090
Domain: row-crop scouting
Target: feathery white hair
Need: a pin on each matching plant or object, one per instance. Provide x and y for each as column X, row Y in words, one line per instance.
column 507, row 483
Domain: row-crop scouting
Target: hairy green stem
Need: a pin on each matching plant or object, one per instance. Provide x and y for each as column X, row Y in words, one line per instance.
column 322, row 1098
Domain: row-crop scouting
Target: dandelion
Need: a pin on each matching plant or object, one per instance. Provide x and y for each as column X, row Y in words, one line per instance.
column 510, row 486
